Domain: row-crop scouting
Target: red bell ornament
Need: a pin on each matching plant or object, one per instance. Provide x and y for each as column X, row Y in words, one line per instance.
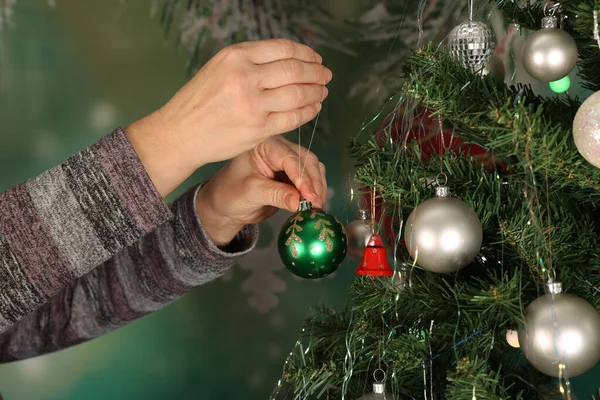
column 374, row 260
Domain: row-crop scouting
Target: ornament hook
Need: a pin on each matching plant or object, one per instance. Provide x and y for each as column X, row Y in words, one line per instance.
column 439, row 177
column 375, row 375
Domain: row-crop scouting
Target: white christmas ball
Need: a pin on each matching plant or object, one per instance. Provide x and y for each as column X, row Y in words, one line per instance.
column 586, row 129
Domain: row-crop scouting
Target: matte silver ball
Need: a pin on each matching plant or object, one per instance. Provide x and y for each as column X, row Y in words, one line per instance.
column 472, row 43
column 549, row 54
column 561, row 335
column 443, row 234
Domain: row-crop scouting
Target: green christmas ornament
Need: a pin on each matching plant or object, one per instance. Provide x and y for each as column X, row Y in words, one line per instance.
column 561, row 85
column 312, row 243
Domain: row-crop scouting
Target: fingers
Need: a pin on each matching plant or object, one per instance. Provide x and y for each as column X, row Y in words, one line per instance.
column 282, row 122
column 292, row 71
column 266, row 51
column 292, row 97
column 300, row 165
column 275, row 194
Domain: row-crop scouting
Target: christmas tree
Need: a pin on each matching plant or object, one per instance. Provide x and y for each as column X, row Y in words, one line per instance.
column 526, row 261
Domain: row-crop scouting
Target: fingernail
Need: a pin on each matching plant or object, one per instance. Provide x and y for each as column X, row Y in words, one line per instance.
column 328, row 74
column 319, row 106
column 325, row 92
column 319, row 58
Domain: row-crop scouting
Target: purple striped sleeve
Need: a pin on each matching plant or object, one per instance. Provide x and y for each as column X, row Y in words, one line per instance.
column 60, row 225
column 148, row 275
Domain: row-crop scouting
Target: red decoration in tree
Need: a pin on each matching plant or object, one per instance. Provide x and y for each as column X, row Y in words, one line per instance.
column 374, row 261
column 433, row 141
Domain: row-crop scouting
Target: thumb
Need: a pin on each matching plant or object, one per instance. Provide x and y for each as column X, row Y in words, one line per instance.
column 277, row 194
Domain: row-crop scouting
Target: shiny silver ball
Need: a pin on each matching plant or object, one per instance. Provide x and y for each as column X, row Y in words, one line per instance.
column 443, row 234
column 472, row 43
column 561, row 335
column 358, row 233
column 549, row 54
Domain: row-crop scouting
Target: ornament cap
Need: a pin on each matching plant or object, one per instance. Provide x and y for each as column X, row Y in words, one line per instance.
column 305, row 205
column 442, row 191
column 362, row 215
column 549, row 22
column 379, row 387
column 554, row 287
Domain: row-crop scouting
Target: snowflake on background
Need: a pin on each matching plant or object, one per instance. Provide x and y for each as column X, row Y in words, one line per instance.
column 263, row 284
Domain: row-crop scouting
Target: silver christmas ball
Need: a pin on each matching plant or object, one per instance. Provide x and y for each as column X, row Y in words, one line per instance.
column 586, row 129
column 358, row 233
column 549, row 54
column 443, row 234
column 472, row 43
column 379, row 393
column 561, row 334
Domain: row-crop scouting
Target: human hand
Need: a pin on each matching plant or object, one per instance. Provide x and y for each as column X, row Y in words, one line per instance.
column 246, row 190
column 243, row 95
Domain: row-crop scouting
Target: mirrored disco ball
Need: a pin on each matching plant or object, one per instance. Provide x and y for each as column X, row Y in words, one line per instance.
column 472, row 43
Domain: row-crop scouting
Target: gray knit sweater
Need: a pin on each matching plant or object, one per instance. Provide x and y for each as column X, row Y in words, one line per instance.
column 89, row 246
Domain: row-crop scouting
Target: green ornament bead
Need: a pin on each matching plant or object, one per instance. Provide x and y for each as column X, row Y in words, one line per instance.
column 561, row 85
column 312, row 243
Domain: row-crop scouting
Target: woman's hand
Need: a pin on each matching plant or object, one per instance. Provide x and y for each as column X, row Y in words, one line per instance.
column 245, row 94
column 247, row 190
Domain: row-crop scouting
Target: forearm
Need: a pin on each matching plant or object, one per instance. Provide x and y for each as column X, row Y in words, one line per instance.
column 160, row 152
column 57, row 227
column 163, row 266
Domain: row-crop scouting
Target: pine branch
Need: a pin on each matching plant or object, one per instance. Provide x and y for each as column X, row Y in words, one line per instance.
column 540, row 211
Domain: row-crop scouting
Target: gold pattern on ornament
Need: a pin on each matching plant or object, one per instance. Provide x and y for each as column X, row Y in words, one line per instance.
column 325, row 233
column 294, row 238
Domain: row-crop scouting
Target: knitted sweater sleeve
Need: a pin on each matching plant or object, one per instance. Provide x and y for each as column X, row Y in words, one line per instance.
column 158, row 269
column 57, row 227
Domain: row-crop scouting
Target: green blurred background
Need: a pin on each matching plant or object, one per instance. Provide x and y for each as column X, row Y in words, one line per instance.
column 71, row 74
